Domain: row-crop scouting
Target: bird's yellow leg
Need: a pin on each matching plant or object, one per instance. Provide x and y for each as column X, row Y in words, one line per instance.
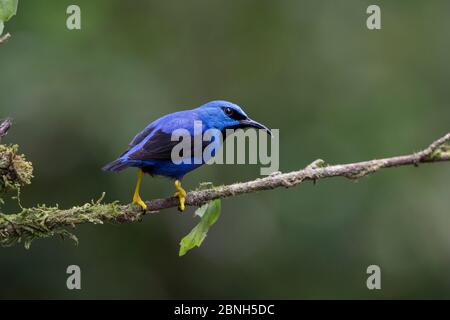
column 137, row 198
column 181, row 194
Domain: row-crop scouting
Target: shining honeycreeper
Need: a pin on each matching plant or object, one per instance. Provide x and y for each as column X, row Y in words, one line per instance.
column 151, row 149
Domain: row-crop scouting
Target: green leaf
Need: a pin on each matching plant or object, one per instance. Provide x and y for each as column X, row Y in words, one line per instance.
column 209, row 213
column 200, row 212
column 8, row 8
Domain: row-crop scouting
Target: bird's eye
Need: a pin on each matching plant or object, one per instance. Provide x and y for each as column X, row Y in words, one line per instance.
column 228, row 111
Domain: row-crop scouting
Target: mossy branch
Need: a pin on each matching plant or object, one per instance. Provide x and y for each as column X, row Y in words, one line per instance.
column 15, row 170
column 44, row 221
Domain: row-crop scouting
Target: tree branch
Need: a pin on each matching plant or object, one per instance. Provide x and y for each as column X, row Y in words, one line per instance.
column 46, row 221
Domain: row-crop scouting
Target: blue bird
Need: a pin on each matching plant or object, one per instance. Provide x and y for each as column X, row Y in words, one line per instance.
column 151, row 149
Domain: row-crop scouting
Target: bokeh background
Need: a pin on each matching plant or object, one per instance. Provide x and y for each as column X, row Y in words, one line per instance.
column 312, row 69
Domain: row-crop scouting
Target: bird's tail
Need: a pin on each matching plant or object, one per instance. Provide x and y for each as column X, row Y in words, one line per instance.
column 117, row 165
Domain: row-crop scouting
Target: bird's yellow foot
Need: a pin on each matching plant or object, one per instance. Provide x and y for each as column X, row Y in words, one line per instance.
column 181, row 194
column 136, row 197
column 137, row 200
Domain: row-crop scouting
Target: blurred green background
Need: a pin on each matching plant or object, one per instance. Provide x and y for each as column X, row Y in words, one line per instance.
column 336, row 91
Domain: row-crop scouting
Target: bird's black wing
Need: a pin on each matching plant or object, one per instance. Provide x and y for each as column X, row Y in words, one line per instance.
column 139, row 138
column 158, row 147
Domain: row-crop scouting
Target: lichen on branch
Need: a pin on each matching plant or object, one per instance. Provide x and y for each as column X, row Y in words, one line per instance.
column 15, row 171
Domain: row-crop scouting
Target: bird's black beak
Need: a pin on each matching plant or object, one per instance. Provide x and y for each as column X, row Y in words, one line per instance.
column 249, row 123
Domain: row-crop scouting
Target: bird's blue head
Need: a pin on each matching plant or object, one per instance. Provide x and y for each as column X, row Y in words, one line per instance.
column 224, row 115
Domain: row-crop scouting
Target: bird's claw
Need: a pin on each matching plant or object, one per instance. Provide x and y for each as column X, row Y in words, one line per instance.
column 182, row 198
column 136, row 197
column 181, row 194
column 137, row 200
